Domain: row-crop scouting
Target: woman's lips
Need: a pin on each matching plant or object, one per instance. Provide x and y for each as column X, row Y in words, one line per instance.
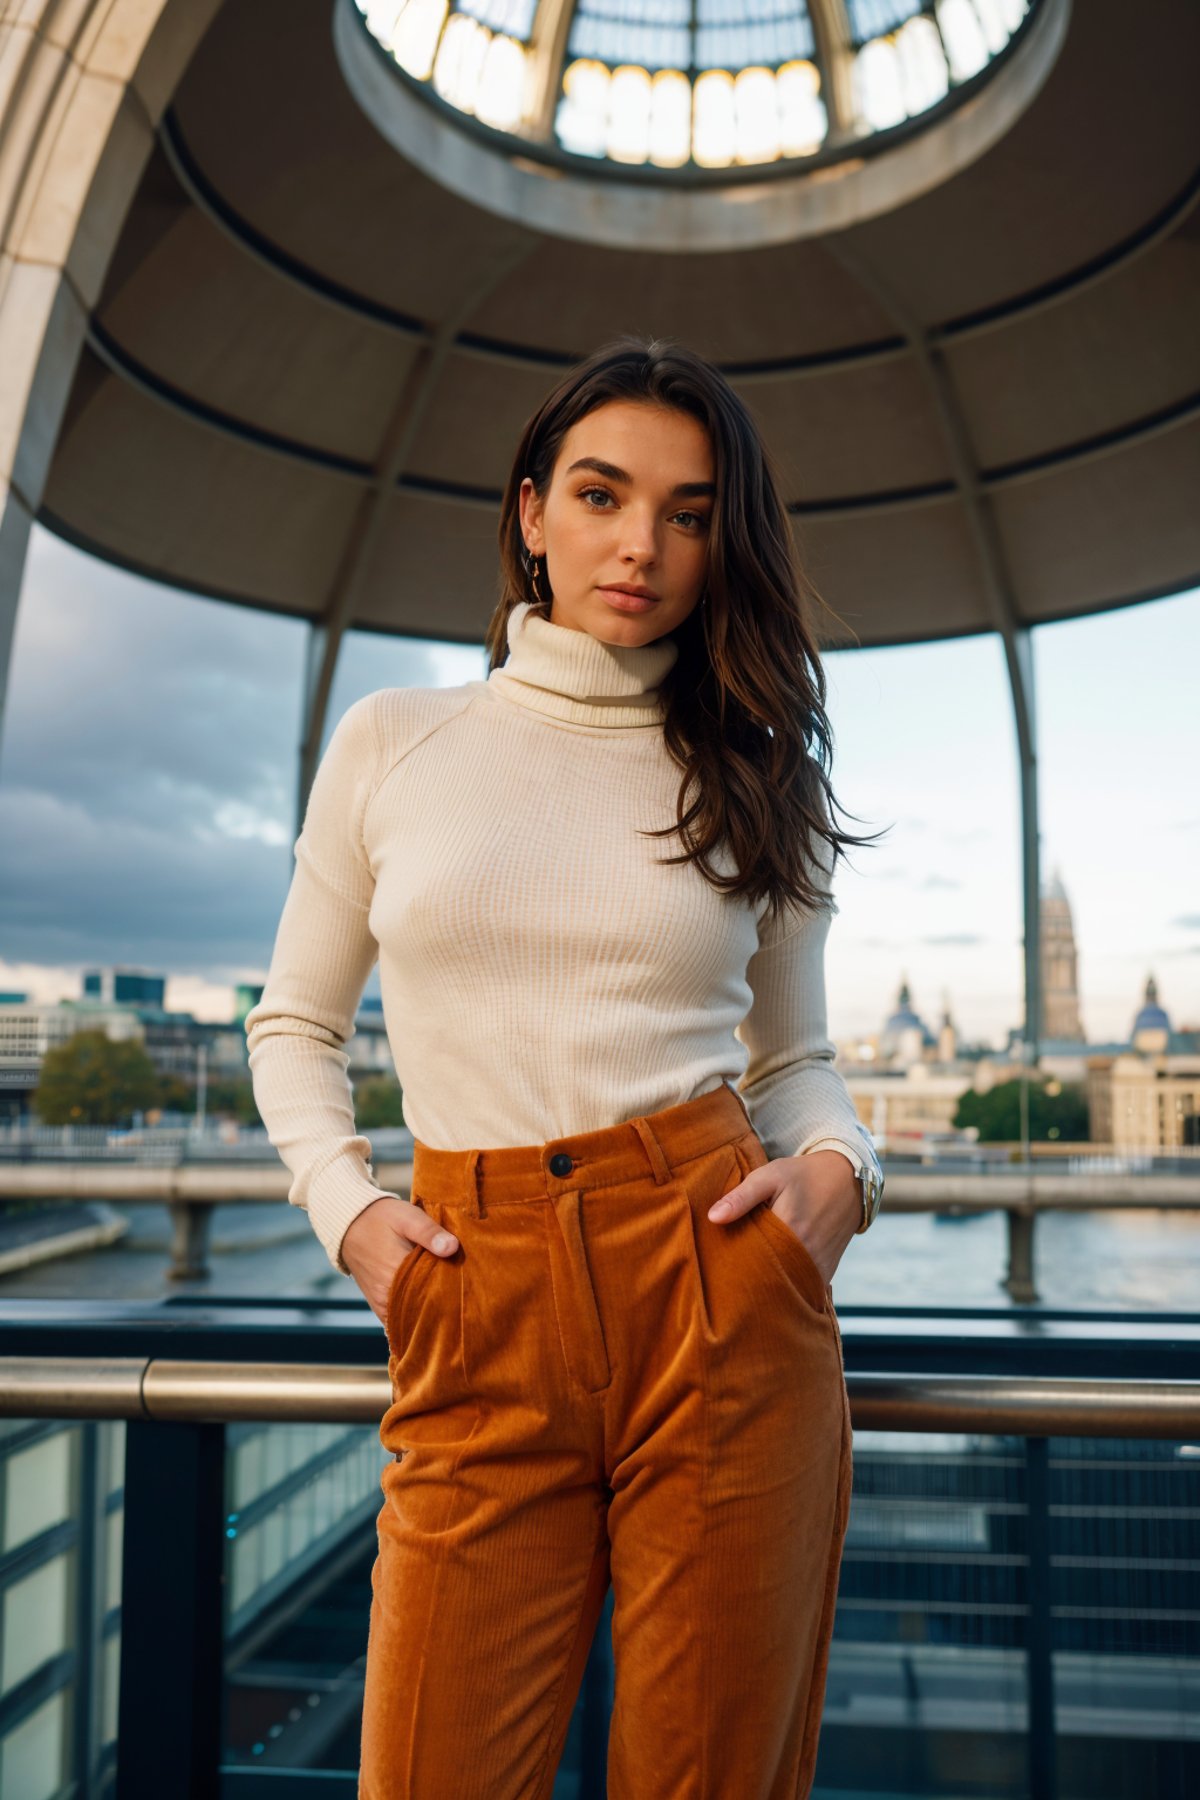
column 624, row 601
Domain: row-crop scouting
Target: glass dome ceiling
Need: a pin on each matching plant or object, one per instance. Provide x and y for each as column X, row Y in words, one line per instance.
column 699, row 84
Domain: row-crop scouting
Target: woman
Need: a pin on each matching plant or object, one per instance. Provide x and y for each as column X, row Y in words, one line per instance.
column 599, row 1374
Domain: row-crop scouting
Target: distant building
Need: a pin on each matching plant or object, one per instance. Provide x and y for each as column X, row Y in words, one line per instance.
column 246, row 994
column 1147, row 1096
column 127, row 1004
column 905, row 1080
column 1145, row 1101
column 947, row 1039
column 1059, row 966
column 904, row 1107
column 1151, row 1027
column 29, row 1028
column 905, row 1037
column 1142, row 1092
column 124, row 987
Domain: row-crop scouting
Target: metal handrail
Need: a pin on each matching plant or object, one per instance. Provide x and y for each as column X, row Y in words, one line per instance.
column 908, row 1189
column 166, row 1389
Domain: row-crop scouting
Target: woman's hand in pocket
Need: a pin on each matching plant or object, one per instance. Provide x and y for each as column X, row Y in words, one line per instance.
column 376, row 1242
column 817, row 1195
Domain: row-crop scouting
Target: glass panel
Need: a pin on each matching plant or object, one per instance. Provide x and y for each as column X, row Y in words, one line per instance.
column 873, row 18
column 935, row 1668
column 657, row 37
column 34, row 1621
column 1124, row 1537
column 59, row 1603
column 33, row 1755
column 724, row 34
column 512, row 17
column 300, row 1543
column 37, row 1484
column 927, row 1658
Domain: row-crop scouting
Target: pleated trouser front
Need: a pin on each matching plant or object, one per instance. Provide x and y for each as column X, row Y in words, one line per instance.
column 604, row 1385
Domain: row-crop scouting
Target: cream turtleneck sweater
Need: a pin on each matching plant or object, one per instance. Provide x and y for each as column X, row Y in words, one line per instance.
column 541, row 972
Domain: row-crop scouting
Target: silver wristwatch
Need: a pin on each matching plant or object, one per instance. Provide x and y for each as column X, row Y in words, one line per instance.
column 870, row 1178
column 871, row 1181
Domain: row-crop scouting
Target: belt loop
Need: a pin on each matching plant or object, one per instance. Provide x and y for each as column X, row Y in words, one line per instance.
column 473, row 1183
column 653, row 1149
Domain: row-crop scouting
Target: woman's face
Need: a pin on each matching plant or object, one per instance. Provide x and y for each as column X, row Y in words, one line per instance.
column 629, row 504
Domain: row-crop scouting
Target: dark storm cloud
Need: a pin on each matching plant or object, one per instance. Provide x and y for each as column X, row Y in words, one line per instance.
column 148, row 769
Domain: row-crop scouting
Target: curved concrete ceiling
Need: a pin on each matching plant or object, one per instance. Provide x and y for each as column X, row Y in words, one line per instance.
column 309, row 362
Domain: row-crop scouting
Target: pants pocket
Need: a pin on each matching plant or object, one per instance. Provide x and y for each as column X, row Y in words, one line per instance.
column 790, row 1255
column 405, row 1278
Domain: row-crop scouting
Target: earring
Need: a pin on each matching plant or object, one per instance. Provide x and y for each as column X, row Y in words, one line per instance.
column 530, row 561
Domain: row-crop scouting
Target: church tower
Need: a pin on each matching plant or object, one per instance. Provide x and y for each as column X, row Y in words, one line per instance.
column 1059, row 959
column 947, row 1034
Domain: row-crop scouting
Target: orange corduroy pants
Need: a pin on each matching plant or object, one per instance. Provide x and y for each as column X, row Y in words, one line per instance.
column 604, row 1385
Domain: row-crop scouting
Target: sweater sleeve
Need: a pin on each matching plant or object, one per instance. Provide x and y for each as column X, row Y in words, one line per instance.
column 796, row 1099
column 323, row 954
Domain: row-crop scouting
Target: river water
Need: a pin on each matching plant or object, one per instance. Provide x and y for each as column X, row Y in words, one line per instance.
column 1139, row 1259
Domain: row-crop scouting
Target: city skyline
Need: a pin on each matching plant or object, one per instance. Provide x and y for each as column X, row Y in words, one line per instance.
column 147, row 775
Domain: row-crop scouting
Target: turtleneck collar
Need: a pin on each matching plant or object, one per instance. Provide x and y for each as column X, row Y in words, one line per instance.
column 572, row 675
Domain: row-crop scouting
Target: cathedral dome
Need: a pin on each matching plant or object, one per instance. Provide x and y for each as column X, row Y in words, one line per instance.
column 1151, row 1016
column 905, row 1019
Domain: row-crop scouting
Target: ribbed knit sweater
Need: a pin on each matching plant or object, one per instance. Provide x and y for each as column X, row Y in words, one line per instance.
column 542, row 970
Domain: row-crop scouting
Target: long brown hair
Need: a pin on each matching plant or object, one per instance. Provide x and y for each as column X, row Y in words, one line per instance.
column 744, row 712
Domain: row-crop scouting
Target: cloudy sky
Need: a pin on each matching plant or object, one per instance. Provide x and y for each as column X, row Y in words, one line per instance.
column 147, row 780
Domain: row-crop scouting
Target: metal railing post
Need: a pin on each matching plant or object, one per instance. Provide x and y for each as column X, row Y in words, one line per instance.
column 172, row 1587
column 1039, row 1659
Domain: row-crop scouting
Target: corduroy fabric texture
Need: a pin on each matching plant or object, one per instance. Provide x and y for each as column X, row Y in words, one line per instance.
column 602, row 1384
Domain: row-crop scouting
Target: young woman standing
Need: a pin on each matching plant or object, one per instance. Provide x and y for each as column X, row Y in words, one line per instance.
column 599, row 1373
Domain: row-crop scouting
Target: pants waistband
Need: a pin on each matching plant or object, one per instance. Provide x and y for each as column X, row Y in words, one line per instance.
column 653, row 1144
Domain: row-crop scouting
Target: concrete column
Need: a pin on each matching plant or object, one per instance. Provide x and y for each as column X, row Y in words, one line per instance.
column 83, row 84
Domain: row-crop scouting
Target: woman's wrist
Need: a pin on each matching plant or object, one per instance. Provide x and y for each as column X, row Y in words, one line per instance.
column 840, row 1199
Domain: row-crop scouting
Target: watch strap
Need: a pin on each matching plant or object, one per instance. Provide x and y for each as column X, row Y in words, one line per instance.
column 869, row 1173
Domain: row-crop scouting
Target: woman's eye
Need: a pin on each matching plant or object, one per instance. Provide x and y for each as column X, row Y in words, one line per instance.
column 698, row 519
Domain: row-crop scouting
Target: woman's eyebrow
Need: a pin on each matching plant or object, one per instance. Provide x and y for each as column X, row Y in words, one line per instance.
column 612, row 473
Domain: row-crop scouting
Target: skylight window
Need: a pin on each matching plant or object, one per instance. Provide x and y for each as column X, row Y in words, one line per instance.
column 710, row 84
